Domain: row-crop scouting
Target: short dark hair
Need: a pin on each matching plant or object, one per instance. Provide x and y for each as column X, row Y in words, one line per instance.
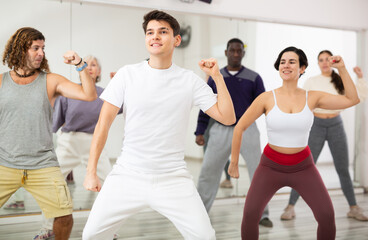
column 161, row 16
column 234, row 40
column 303, row 61
column 15, row 52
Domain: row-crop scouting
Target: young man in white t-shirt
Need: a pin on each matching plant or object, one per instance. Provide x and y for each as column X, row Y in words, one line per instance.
column 151, row 172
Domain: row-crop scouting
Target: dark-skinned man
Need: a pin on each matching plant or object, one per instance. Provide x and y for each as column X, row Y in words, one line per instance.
column 244, row 86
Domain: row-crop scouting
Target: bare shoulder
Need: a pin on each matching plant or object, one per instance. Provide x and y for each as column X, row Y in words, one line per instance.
column 53, row 80
column 268, row 101
column 261, row 102
column 265, row 96
column 1, row 78
column 54, row 76
column 314, row 95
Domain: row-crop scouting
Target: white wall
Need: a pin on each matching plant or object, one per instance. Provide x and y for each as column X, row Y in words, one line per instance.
column 361, row 133
column 327, row 13
column 13, row 17
column 113, row 33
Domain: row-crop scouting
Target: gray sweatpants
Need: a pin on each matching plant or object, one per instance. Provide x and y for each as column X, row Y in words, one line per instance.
column 331, row 130
column 217, row 154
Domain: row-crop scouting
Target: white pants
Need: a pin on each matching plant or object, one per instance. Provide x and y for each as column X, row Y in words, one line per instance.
column 73, row 149
column 126, row 192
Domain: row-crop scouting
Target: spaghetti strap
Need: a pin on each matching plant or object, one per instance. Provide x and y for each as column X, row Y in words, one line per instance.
column 274, row 96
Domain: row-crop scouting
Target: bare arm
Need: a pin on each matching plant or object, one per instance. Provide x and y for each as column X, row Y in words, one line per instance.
column 361, row 84
column 223, row 110
column 256, row 109
column 59, row 85
column 107, row 116
column 358, row 71
column 329, row 101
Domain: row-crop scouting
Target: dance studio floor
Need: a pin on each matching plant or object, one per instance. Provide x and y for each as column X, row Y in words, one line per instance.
column 225, row 215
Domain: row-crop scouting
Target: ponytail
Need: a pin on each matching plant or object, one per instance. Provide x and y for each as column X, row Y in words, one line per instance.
column 335, row 78
column 337, row 82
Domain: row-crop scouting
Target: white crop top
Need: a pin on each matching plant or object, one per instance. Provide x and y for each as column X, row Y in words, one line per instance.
column 289, row 129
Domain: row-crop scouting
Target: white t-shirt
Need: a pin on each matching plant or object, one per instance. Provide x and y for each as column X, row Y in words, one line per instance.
column 157, row 104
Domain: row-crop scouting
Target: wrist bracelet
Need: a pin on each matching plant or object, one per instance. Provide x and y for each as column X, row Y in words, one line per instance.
column 81, row 68
column 79, row 62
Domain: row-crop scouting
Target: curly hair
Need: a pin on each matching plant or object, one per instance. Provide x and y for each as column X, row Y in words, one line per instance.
column 15, row 53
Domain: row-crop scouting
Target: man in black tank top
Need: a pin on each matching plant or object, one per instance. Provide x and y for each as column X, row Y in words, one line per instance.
column 27, row 95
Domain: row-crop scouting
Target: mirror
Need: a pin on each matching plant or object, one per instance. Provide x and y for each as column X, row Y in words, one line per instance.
column 115, row 36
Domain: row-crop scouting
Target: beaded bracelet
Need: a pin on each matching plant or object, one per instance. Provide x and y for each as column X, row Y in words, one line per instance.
column 79, row 62
column 81, row 68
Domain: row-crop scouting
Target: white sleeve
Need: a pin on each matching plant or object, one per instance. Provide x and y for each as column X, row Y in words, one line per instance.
column 307, row 84
column 203, row 96
column 115, row 90
column 362, row 88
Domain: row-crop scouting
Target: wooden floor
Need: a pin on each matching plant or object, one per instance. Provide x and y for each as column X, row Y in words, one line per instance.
column 83, row 199
column 225, row 215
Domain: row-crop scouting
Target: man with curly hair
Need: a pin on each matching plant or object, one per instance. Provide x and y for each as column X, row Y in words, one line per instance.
column 27, row 95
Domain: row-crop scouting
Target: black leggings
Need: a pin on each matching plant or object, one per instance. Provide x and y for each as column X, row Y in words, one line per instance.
column 304, row 178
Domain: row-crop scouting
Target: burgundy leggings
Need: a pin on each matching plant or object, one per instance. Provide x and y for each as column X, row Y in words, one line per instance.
column 303, row 177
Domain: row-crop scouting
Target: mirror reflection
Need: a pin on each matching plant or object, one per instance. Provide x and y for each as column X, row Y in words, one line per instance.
column 122, row 43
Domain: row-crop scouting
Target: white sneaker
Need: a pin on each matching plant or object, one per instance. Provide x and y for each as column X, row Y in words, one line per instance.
column 44, row 234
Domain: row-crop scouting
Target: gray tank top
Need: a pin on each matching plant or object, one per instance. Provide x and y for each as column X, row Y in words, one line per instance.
column 26, row 124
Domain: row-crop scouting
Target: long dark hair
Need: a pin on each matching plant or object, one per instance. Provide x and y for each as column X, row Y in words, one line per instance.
column 335, row 78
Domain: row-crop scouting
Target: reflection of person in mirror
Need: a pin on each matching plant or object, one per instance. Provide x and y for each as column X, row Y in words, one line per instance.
column 287, row 160
column 244, row 86
column 27, row 94
column 77, row 120
column 158, row 97
column 328, row 126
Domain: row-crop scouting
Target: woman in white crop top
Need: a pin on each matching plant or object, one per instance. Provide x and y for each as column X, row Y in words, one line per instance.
column 286, row 160
column 328, row 126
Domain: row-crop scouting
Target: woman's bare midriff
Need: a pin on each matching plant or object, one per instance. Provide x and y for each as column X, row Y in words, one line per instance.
column 326, row 115
column 286, row 150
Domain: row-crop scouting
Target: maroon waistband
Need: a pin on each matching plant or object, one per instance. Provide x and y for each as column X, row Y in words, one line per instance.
column 286, row 159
